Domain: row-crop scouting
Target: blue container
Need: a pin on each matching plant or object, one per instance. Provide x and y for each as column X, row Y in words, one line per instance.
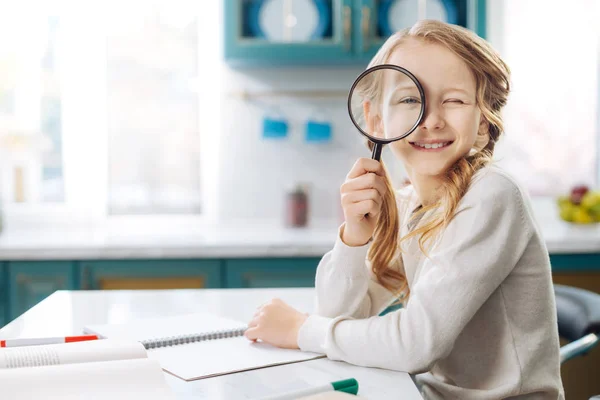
column 318, row 132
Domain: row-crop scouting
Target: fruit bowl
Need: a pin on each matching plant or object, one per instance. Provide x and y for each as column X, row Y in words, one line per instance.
column 582, row 206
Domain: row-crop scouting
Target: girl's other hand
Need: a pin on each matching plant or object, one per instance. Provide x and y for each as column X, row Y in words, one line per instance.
column 276, row 323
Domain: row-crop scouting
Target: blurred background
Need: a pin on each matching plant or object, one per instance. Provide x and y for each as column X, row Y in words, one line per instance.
column 138, row 107
column 179, row 143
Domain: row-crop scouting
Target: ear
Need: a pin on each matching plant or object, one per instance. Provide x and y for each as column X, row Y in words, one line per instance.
column 484, row 126
column 483, row 134
column 373, row 121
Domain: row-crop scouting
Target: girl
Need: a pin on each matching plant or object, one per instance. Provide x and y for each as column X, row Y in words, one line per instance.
column 459, row 246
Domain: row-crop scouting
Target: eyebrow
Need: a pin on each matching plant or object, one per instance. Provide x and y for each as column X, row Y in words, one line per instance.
column 398, row 81
column 456, row 89
column 404, row 87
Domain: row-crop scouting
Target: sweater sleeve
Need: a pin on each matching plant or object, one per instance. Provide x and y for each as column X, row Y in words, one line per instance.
column 476, row 252
column 345, row 285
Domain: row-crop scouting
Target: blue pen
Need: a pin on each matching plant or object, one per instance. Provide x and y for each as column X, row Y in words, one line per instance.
column 347, row 385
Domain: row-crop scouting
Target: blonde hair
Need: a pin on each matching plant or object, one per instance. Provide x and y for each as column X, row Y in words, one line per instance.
column 492, row 87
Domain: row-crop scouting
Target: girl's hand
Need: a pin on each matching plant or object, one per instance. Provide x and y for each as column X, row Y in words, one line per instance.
column 362, row 195
column 276, row 323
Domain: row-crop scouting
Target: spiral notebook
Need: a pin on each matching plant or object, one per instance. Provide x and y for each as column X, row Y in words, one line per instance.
column 200, row 345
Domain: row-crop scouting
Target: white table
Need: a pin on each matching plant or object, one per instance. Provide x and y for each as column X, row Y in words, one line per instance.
column 66, row 312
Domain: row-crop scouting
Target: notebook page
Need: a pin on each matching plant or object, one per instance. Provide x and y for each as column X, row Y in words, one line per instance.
column 217, row 357
column 108, row 380
column 151, row 328
column 70, row 353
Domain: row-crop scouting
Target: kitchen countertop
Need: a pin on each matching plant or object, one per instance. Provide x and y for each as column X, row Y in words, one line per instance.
column 244, row 239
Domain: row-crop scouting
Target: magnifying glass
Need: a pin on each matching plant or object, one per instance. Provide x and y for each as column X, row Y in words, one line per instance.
column 386, row 103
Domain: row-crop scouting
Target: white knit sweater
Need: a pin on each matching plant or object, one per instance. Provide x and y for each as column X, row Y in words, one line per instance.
column 480, row 322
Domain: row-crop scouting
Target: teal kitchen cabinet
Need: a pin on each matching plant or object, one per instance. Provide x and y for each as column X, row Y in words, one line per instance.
column 276, row 32
column 581, row 270
column 577, row 262
column 150, row 274
column 376, row 20
column 329, row 32
column 3, row 294
column 29, row 282
column 271, row 272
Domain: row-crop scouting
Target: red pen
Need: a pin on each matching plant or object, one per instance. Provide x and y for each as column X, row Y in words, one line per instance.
column 41, row 341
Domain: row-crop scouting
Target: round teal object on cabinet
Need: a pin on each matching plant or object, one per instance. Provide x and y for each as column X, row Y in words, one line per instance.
column 386, row 7
column 257, row 7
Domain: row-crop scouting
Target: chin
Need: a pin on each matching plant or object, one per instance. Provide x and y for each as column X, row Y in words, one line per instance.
column 431, row 169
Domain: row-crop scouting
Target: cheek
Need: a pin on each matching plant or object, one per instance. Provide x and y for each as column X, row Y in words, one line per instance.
column 401, row 149
column 399, row 122
column 465, row 124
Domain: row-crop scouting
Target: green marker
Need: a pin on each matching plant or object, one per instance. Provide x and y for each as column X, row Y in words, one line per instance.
column 347, row 385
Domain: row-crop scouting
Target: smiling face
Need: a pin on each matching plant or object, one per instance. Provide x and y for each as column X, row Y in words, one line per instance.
column 452, row 120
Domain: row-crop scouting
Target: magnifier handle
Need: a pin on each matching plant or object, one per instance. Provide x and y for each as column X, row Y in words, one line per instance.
column 376, row 155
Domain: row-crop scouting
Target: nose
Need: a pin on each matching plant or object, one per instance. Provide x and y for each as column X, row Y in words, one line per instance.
column 433, row 120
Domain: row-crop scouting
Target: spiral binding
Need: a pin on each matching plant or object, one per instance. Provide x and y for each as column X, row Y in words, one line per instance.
column 192, row 338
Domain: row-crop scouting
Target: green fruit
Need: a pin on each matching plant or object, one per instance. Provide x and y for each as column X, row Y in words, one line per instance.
column 594, row 210
column 590, row 199
column 562, row 200
column 566, row 212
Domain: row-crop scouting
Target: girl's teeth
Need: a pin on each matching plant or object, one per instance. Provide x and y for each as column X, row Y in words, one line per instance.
column 432, row 146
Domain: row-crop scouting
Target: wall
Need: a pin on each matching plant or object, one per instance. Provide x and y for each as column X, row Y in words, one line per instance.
column 246, row 176
column 256, row 172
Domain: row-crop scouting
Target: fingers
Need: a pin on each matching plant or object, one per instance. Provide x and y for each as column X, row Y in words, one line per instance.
column 261, row 310
column 261, row 307
column 252, row 333
column 363, row 208
column 253, row 329
column 361, row 195
column 254, row 321
column 367, row 181
column 269, row 304
column 365, row 165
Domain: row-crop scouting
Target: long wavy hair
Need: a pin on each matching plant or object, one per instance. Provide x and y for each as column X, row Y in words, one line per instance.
column 492, row 77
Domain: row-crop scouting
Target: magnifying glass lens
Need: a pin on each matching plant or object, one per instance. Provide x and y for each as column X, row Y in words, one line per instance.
column 386, row 103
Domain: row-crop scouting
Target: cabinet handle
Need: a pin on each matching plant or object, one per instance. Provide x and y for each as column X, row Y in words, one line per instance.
column 365, row 25
column 347, row 26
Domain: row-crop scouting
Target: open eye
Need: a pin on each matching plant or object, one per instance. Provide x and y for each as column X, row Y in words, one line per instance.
column 409, row 100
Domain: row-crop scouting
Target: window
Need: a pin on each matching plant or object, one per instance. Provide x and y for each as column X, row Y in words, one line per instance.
column 99, row 107
column 30, row 109
column 153, row 140
column 551, row 120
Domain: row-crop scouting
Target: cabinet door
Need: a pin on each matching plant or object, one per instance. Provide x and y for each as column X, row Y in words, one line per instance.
column 3, row 295
column 150, row 274
column 375, row 20
column 31, row 282
column 579, row 270
column 271, row 272
column 576, row 262
column 280, row 32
